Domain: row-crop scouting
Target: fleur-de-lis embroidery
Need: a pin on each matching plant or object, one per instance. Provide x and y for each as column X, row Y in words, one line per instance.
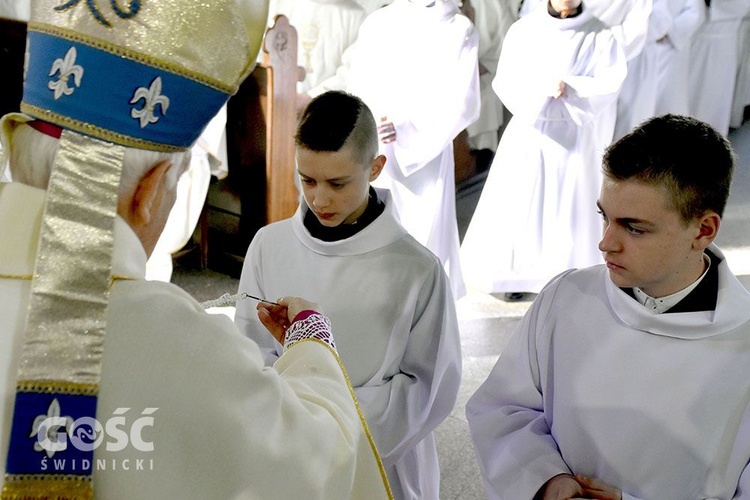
column 152, row 97
column 51, row 432
column 67, row 67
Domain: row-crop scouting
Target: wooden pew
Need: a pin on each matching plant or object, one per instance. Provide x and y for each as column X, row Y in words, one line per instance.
column 261, row 121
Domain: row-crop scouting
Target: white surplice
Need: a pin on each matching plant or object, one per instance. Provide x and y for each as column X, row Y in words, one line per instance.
column 537, row 213
column 742, row 87
column 395, row 325
column 713, row 67
column 225, row 426
column 594, row 383
column 492, row 19
column 418, row 67
column 325, row 28
column 637, row 100
column 674, row 56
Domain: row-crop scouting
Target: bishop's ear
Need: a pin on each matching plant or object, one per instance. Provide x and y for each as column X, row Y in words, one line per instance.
column 149, row 193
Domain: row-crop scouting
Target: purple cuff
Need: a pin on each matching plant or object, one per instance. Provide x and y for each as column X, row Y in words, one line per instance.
column 309, row 325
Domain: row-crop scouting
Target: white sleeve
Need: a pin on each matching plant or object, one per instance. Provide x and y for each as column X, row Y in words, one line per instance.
column 633, row 31
column 338, row 78
column 411, row 404
column 686, row 23
column 246, row 317
column 524, row 86
column 507, row 420
column 454, row 105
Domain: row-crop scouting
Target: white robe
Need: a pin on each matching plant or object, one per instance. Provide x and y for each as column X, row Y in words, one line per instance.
column 713, row 70
column 424, row 77
column 742, row 87
column 395, row 325
column 537, row 213
column 594, row 383
column 492, row 19
column 637, row 100
column 674, row 56
column 225, row 426
column 325, row 28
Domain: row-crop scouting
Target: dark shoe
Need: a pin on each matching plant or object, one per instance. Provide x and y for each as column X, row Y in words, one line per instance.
column 514, row 296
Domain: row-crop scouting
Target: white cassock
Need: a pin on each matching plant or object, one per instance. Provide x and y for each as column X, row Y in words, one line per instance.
column 674, row 56
column 713, row 69
column 325, row 28
column 417, row 66
column 594, row 383
column 208, row 154
column 492, row 20
column 742, row 87
column 537, row 213
column 637, row 100
column 225, row 426
column 395, row 326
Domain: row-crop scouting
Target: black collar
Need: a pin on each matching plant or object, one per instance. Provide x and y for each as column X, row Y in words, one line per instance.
column 375, row 207
column 552, row 12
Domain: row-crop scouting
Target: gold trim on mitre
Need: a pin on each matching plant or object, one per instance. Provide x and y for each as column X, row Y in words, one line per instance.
column 92, row 130
column 46, row 487
column 56, row 387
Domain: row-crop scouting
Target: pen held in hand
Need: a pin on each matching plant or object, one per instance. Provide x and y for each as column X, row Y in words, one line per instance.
column 248, row 296
column 231, row 300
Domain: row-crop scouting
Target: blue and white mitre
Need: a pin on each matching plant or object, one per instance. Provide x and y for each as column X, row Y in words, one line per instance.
column 146, row 74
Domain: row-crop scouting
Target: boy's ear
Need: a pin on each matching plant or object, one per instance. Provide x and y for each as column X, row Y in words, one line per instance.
column 376, row 167
column 707, row 230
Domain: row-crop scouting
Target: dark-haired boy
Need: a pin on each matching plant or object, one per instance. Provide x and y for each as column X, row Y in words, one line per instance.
column 387, row 295
column 630, row 379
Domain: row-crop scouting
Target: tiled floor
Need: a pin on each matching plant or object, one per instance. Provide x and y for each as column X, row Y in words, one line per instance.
column 486, row 321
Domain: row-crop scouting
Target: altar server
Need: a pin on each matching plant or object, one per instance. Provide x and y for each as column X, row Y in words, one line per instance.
column 559, row 73
column 415, row 65
column 387, row 295
column 629, row 380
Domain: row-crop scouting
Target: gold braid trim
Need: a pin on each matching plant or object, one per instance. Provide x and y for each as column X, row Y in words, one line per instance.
column 57, row 387
column 47, row 487
column 370, row 439
column 93, row 130
column 132, row 55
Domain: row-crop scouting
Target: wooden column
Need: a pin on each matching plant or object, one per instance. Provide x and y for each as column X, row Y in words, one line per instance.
column 280, row 58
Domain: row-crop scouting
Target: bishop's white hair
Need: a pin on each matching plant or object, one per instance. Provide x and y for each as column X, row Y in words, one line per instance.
column 32, row 154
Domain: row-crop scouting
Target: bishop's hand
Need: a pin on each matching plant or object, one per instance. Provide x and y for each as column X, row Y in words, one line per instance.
column 278, row 318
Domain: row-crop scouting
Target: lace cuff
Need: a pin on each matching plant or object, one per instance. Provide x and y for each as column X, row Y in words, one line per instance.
column 310, row 325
